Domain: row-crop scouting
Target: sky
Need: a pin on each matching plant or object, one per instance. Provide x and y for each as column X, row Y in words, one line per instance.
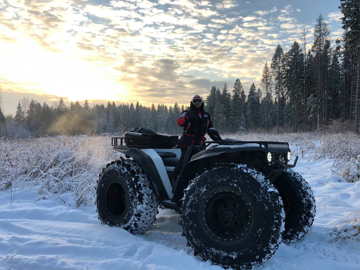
column 151, row 51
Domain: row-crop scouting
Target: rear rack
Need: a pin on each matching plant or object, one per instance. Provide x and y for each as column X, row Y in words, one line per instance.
column 122, row 142
column 142, row 140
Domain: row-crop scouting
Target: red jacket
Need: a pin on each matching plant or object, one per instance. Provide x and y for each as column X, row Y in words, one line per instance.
column 196, row 124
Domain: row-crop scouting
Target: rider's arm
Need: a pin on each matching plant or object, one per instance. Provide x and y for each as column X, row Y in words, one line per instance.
column 185, row 118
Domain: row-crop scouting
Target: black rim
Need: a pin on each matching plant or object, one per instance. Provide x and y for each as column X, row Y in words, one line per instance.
column 227, row 216
column 116, row 199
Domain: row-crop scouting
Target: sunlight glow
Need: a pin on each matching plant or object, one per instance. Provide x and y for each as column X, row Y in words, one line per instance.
column 44, row 72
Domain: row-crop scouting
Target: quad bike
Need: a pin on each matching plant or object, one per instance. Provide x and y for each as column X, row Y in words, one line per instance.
column 238, row 199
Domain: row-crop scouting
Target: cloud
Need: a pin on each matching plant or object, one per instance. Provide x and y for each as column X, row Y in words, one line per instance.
column 255, row 24
column 151, row 51
column 122, row 4
column 283, row 18
column 205, row 3
column 205, row 12
column 226, row 4
column 287, row 25
column 335, row 16
column 265, row 12
column 266, row 28
column 287, row 10
column 249, row 18
column 338, row 34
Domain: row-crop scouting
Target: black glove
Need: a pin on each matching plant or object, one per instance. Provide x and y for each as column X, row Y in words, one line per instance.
column 193, row 117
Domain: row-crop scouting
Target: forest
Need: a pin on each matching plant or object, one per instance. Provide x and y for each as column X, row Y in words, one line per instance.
column 301, row 90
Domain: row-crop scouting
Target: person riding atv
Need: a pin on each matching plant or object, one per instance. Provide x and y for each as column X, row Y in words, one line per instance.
column 196, row 123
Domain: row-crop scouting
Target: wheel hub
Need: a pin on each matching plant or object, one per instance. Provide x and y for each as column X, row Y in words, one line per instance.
column 227, row 216
column 116, row 199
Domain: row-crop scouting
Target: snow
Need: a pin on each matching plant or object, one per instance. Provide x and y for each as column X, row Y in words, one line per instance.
column 38, row 233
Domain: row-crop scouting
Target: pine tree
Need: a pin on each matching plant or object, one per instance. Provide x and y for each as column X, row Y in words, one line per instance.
column 320, row 48
column 177, row 112
column 2, row 124
column 61, row 108
column 351, row 25
column 294, row 83
column 310, row 86
column 224, row 109
column 211, row 101
column 237, row 117
column 253, row 105
column 277, row 68
column 154, row 117
column 335, row 84
column 19, row 116
column 217, row 110
column 267, row 82
column 33, row 118
column 46, row 119
column 161, row 118
column 137, row 117
column 132, row 116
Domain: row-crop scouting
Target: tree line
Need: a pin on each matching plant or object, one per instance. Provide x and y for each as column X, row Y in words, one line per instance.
column 301, row 90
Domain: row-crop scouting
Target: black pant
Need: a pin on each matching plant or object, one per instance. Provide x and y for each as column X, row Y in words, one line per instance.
column 180, row 163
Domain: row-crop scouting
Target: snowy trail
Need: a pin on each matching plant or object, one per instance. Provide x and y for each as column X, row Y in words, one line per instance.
column 44, row 234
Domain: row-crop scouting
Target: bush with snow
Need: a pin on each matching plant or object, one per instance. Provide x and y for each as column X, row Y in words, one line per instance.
column 349, row 228
column 66, row 164
column 54, row 166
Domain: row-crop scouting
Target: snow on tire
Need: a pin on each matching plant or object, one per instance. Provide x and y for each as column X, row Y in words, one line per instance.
column 233, row 217
column 299, row 205
column 125, row 197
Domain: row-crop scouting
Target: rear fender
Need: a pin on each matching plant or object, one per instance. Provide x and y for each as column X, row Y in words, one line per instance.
column 154, row 168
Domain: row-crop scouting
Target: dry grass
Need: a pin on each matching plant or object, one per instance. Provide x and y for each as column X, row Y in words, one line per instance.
column 53, row 166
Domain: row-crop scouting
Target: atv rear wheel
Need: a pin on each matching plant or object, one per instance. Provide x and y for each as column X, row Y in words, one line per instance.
column 299, row 205
column 233, row 217
column 125, row 197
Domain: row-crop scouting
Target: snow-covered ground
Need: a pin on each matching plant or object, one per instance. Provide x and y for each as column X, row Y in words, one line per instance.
column 38, row 233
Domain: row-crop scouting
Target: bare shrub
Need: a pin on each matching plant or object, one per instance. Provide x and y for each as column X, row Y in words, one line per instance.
column 339, row 126
column 54, row 165
column 348, row 228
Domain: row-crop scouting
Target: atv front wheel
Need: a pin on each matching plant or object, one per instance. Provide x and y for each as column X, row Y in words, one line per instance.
column 299, row 205
column 233, row 217
column 125, row 197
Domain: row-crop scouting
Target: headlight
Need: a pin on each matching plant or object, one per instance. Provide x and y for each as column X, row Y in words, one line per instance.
column 269, row 157
column 288, row 156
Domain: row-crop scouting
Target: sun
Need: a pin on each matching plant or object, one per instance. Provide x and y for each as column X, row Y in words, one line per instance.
column 29, row 66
